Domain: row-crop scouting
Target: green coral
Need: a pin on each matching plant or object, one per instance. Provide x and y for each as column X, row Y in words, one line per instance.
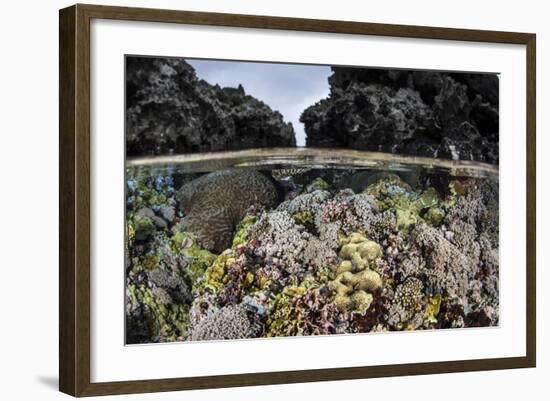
column 392, row 193
column 305, row 218
column 242, row 229
column 147, row 192
column 166, row 320
column 433, row 305
column 318, row 184
column 199, row 258
column 302, row 309
column 214, row 276
column 151, row 261
column 434, row 216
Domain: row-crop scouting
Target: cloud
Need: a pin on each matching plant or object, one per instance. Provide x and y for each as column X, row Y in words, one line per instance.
column 288, row 88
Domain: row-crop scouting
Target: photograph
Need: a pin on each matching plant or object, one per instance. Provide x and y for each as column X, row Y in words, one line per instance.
column 268, row 199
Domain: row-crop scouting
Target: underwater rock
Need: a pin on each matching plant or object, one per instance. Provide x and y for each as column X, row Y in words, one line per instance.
column 168, row 213
column 148, row 213
column 175, row 286
column 215, row 204
column 421, row 113
column 170, row 110
column 143, row 227
column 152, row 315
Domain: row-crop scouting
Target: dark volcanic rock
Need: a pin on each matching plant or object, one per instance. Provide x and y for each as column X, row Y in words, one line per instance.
column 422, row 113
column 170, row 110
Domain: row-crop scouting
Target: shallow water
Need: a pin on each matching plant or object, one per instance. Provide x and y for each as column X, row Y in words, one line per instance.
column 318, row 158
column 201, row 264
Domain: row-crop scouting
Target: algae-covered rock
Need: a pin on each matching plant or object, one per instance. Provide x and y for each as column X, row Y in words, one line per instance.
column 143, row 228
column 242, row 229
column 198, row 259
column 165, row 320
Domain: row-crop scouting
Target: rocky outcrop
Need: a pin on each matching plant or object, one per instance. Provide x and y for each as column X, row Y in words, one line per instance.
column 422, row 113
column 170, row 110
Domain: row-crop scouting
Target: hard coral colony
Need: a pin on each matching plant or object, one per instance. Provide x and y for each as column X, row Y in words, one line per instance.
column 236, row 254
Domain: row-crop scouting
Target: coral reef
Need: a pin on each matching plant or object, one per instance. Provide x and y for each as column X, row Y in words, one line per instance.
column 170, row 110
column 225, row 258
column 435, row 114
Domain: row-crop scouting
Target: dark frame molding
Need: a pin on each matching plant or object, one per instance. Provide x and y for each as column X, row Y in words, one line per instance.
column 74, row 199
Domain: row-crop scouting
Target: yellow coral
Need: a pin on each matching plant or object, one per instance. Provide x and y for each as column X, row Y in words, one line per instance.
column 369, row 250
column 345, row 266
column 355, row 279
column 433, row 305
column 357, row 238
column 361, row 301
column 368, row 280
column 343, row 303
column 214, row 274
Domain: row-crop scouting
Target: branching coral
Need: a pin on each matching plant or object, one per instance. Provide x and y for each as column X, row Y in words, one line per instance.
column 447, row 270
column 406, row 309
column 306, row 309
column 281, row 239
column 228, row 323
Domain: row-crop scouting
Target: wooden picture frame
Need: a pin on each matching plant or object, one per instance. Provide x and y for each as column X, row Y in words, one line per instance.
column 74, row 203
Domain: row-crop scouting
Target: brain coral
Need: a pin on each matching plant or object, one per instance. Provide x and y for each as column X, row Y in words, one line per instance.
column 215, row 203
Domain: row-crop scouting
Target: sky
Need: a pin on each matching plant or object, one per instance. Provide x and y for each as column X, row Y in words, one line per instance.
column 287, row 88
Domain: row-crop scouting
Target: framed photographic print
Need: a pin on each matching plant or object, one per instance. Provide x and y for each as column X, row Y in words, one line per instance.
column 250, row 200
